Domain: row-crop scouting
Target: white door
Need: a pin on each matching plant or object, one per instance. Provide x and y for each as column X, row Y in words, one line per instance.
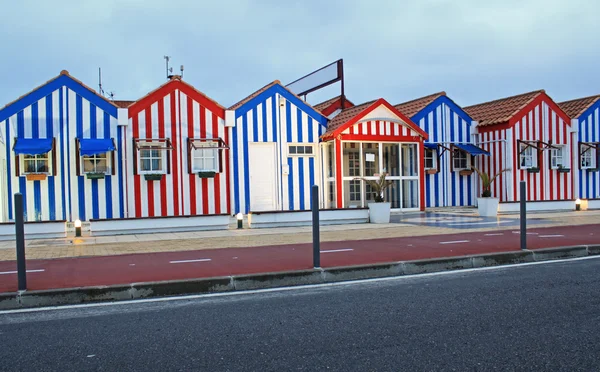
column 263, row 185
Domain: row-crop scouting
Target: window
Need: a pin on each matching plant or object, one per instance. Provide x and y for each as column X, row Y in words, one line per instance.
column 354, row 164
column 205, row 157
column 430, row 159
column 460, row 160
column 355, row 190
column 151, row 159
column 526, row 157
column 36, row 164
column 587, row 157
column 556, row 157
column 95, row 163
column 300, row 150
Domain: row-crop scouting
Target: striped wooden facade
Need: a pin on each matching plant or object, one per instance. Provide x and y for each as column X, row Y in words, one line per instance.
column 588, row 180
column 447, row 123
column 66, row 111
column 176, row 112
column 275, row 115
column 541, row 120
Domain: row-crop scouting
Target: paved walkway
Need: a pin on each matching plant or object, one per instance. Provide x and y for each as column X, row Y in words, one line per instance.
column 406, row 225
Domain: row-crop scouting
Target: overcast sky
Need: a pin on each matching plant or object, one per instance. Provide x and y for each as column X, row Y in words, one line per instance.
column 475, row 50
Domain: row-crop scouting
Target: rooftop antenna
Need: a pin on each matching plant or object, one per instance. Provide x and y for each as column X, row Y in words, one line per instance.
column 169, row 70
column 100, row 90
column 181, row 69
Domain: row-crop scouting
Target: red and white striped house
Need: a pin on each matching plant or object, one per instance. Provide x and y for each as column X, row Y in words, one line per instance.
column 531, row 138
column 177, row 154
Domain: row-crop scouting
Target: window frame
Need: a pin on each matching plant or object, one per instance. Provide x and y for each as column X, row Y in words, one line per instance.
column 433, row 158
column 593, row 155
column 47, row 158
column 195, row 158
column 560, row 148
column 522, row 155
column 467, row 158
column 141, row 158
column 295, row 153
column 162, row 144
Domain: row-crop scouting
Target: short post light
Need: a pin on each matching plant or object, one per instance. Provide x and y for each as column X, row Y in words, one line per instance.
column 77, row 228
column 240, row 220
column 578, row 204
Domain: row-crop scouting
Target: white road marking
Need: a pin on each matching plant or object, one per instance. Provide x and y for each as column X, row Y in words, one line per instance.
column 187, row 261
column 29, row 271
column 455, row 242
column 294, row 288
column 235, row 258
column 131, row 264
column 551, row 236
column 529, row 233
column 337, row 250
column 494, row 234
column 91, row 355
column 477, row 223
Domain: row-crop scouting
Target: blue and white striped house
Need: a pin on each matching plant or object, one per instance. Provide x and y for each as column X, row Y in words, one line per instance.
column 274, row 149
column 585, row 116
column 61, row 149
column 449, row 151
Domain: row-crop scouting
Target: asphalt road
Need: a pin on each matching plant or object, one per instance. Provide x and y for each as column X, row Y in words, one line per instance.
column 528, row 318
column 147, row 267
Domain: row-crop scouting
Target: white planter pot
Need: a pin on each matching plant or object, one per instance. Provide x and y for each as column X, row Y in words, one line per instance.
column 487, row 207
column 379, row 212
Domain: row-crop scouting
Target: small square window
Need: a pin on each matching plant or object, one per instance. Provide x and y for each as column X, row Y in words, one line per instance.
column 557, row 157
column 151, row 159
column 300, row 150
column 460, row 160
column 36, row 164
column 430, row 159
column 205, row 158
column 527, row 158
column 588, row 156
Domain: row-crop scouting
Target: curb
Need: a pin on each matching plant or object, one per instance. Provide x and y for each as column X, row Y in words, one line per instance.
column 72, row 296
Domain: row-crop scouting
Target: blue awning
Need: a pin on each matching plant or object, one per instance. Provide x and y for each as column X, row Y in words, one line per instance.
column 90, row 147
column 429, row 145
column 471, row 149
column 32, row 146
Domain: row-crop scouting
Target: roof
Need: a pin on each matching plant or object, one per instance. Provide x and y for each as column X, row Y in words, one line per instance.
column 410, row 108
column 62, row 73
column 323, row 105
column 576, row 107
column 258, row 92
column 501, row 110
column 123, row 104
column 346, row 115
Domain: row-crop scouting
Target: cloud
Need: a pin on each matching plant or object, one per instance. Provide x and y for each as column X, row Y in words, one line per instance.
column 398, row 50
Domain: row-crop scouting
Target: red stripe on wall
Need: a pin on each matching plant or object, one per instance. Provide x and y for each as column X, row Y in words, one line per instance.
column 204, row 182
column 551, row 135
column 515, row 162
column 500, row 180
column 175, row 155
column 227, row 177
column 338, row 172
column 422, row 174
column 150, row 184
column 191, row 176
column 163, row 181
column 542, row 164
column 136, row 178
column 217, row 180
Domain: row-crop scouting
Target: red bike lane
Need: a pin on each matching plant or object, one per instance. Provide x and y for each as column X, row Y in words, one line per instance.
column 145, row 267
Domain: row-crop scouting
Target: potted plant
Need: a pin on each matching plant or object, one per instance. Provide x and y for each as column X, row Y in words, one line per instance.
column 153, row 176
column 431, row 171
column 95, row 175
column 486, row 205
column 206, row 174
column 533, row 170
column 379, row 212
column 562, row 169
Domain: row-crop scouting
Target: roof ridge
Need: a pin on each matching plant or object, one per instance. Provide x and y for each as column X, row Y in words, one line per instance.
column 241, row 102
column 505, row 98
column 442, row 93
column 596, row 96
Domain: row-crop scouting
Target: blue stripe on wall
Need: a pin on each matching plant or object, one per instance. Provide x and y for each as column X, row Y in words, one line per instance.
column 255, row 125
column 236, row 172
column 68, row 118
column 310, row 131
column 593, row 175
column 108, row 192
column 93, row 122
column 79, row 116
column 299, row 129
column 62, row 154
column 291, row 183
column 311, row 174
column 23, row 191
column 288, row 121
column 246, row 165
column 107, row 133
column 35, row 121
column 274, row 117
column 51, row 179
column 9, row 171
column 37, row 200
column 453, row 175
column 301, row 181
column 120, row 173
column 95, row 208
column 264, row 122
column 81, row 188
column 20, row 125
column 80, row 179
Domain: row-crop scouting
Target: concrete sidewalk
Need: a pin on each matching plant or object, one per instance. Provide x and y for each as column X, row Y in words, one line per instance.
column 234, row 238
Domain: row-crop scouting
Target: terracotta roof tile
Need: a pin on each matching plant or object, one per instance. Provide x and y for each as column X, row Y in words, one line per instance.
column 345, row 115
column 500, row 110
column 410, row 108
column 323, row 105
column 123, row 104
column 574, row 108
column 63, row 72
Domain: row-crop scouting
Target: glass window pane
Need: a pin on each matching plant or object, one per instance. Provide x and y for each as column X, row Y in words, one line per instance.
column 409, row 160
column 300, row 149
column 331, row 194
column 391, row 158
column 308, row 149
column 371, row 159
column 410, row 193
column 392, row 194
column 145, row 164
column 330, row 160
column 352, row 193
column 351, row 160
column 292, row 149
